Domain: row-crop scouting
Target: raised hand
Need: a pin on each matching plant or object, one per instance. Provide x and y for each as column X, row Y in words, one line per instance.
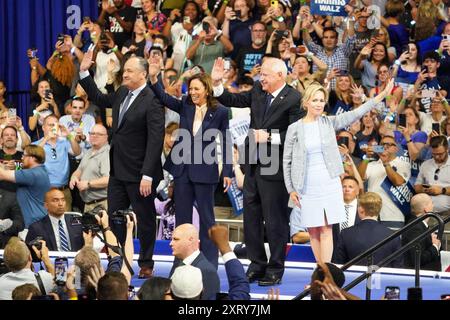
column 218, row 71
column 154, row 67
column 87, row 62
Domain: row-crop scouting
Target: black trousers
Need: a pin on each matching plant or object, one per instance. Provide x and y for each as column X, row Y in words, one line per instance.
column 265, row 212
column 186, row 193
column 120, row 195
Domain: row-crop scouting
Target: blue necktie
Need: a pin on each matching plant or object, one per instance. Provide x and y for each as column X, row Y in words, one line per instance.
column 124, row 107
column 63, row 237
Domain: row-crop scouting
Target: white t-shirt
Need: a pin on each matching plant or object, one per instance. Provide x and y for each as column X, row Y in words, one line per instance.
column 376, row 173
column 426, row 121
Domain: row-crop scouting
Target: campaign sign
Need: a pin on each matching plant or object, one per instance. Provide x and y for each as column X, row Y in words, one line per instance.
column 329, row 7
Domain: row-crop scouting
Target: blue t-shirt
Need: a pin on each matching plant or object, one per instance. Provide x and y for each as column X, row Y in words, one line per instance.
column 32, row 184
column 57, row 162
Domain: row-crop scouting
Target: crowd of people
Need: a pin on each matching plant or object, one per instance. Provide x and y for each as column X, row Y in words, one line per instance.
column 323, row 129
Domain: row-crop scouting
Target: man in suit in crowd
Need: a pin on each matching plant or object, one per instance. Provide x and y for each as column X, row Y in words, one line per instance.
column 185, row 246
column 274, row 106
column 60, row 232
column 430, row 258
column 11, row 219
column 350, row 188
column 368, row 232
column 135, row 151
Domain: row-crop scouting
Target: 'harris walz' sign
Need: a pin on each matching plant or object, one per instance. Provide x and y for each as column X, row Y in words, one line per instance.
column 401, row 195
column 329, row 7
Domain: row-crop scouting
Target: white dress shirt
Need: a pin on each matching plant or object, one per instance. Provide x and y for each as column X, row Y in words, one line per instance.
column 191, row 258
column 55, row 226
column 352, row 212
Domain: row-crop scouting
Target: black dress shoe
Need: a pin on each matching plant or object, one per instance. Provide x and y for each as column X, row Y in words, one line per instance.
column 269, row 280
column 253, row 276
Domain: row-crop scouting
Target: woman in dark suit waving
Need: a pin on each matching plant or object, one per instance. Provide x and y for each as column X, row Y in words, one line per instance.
column 193, row 160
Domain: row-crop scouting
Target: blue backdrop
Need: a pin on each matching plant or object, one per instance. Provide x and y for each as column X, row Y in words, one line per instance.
column 28, row 23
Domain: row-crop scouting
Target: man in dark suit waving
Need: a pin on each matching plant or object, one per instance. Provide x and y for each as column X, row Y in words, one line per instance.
column 135, row 154
column 60, row 232
column 274, row 106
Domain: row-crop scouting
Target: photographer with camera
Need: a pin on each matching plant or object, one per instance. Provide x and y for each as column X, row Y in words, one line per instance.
column 19, row 261
column 39, row 110
column 58, row 143
column 60, row 232
column 210, row 44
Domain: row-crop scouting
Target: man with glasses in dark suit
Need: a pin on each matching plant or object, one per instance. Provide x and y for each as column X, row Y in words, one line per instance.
column 434, row 176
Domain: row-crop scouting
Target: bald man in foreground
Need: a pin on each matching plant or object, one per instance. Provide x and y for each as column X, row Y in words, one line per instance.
column 185, row 246
column 274, row 106
column 430, row 258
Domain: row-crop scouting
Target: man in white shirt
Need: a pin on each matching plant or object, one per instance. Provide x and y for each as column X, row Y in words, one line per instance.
column 185, row 246
column 18, row 259
column 398, row 173
column 350, row 188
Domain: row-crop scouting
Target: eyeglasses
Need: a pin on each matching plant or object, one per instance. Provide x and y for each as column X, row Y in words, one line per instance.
column 54, row 154
column 387, row 145
column 436, row 174
column 97, row 134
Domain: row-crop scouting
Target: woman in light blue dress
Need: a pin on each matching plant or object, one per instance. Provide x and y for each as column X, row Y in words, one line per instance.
column 312, row 166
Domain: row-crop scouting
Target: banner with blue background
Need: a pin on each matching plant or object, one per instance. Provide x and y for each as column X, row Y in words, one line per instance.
column 329, row 7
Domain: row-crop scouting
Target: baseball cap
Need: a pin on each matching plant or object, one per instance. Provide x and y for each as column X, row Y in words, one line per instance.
column 187, row 282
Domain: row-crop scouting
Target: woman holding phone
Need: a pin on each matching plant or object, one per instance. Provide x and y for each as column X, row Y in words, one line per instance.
column 312, row 166
column 202, row 120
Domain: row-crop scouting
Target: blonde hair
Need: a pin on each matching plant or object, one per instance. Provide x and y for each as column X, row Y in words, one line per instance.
column 16, row 254
column 311, row 91
column 372, row 203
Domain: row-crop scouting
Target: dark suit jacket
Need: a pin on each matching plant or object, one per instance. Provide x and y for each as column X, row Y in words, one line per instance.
column 10, row 209
column 211, row 282
column 284, row 110
column 429, row 255
column 214, row 119
column 239, row 288
column 44, row 229
column 337, row 230
column 355, row 240
column 136, row 144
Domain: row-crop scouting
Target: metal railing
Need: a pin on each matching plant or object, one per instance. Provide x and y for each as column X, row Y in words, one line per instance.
column 369, row 253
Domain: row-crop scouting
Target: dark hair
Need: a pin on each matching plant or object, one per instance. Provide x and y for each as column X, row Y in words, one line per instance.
column 164, row 39
column 154, row 288
column 394, row 8
column 318, row 274
column 310, row 63
column 205, row 79
column 386, row 56
column 245, row 80
column 9, row 127
column 112, row 286
column 330, row 29
column 432, row 55
column 351, row 178
column 197, row 7
column 79, row 99
column 438, row 141
column 418, row 56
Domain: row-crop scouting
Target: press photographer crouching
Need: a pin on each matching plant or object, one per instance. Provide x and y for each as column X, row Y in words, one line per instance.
column 18, row 259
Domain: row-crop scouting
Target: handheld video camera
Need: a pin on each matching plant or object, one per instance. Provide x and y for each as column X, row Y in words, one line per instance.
column 89, row 222
column 120, row 216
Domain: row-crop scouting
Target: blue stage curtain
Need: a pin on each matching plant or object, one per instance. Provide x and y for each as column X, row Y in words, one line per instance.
column 32, row 23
